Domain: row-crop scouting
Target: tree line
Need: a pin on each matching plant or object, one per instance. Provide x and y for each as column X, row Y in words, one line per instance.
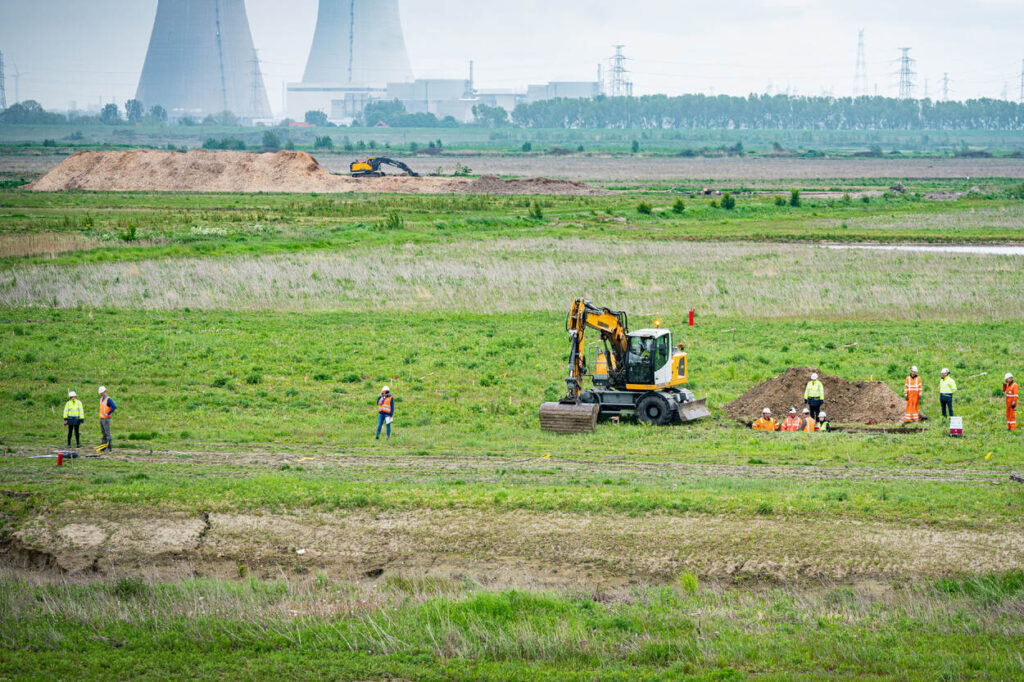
column 770, row 112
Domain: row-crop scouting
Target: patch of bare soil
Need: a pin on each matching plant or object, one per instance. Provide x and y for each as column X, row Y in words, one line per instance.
column 286, row 171
column 516, row 548
column 847, row 402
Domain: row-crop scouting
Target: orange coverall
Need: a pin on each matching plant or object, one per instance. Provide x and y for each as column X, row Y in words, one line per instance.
column 912, row 390
column 1012, row 391
column 792, row 424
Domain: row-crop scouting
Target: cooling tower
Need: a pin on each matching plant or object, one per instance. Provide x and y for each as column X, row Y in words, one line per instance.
column 358, row 43
column 201, row 61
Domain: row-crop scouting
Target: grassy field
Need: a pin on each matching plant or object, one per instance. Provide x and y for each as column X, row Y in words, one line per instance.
column 248, row 524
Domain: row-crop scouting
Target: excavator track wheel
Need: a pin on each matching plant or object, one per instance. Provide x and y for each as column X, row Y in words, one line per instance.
column 655, row 410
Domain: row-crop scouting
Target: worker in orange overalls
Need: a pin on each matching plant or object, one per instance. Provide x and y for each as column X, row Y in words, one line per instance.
column 809, row 424
column 1011, row 390
column 765, row 423
column 793, row 421
column 912, row 392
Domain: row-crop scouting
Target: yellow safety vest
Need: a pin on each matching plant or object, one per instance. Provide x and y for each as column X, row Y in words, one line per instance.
column 814, row 390
column 74, row 408
column 947, row 385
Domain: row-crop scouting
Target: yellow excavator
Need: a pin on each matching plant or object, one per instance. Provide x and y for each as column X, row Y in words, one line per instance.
column 371, row 167
column 639, row 373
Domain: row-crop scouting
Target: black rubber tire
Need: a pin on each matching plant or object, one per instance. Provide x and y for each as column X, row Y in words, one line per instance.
column 654, row 410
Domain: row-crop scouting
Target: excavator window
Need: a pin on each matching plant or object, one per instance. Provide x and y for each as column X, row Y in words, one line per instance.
column 641, row 370
column 663, row 352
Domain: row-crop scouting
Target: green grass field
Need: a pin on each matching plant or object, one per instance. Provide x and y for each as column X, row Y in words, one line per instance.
column 248, row 524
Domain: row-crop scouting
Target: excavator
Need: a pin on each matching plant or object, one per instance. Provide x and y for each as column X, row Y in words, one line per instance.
column 370, row 168
column 638, row 372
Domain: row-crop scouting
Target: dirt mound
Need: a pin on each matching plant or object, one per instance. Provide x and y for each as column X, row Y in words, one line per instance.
column 847, row 402
column 288, row 172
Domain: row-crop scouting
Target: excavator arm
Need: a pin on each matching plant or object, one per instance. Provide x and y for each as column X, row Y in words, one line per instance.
column 613, row 327
column 370, row 167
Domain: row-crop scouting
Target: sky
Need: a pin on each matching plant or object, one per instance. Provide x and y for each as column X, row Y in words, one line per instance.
column 91, row 51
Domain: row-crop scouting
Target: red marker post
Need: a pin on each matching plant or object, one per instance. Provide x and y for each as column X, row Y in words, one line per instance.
column 692, row 311
column 60, row 459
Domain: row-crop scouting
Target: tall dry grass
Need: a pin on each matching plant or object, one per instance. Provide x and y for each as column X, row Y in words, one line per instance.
column 755, row 280
column 44, row 243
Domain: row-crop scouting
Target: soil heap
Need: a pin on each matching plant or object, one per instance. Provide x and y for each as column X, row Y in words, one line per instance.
column 245, row 172
column 846, row 402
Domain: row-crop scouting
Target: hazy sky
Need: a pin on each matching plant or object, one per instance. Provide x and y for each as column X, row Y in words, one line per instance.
column 85, row 50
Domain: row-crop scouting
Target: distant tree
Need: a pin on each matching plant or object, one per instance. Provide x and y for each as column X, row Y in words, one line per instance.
column 728, row 201
column 794, row 198
column 373, row 144
column 271, row 140
column 186, row 121
column 290, row 145
column 527, row 147
column 316, row 118
column 29, row 112
column 383, row 112
column 490, row 117
column 158, row 114
column 229, row 143
column 324, row 142
column 110, row 115
column 209, row 120
column 635, row 146
column 134, row 111
column 226, row 118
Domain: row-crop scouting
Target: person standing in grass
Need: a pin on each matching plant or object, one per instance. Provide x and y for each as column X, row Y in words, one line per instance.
column 385, row 411
column 912, row 389
column 74, row 415
column 1012, row 391
column 814, row 396
column 947, row 387
column 107, row 408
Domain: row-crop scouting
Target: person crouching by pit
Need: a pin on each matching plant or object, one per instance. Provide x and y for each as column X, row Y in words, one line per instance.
column 823, row 422
column 385, row 411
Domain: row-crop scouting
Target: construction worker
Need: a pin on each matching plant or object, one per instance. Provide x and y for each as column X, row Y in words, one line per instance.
column 947, row 387
column 107, row 408
column 814, row 395
column 793, row 421
column 1011, row 390
column 912, row 389
column 765, row 423
column 808, row 424
column 385, row 411
column 823, row 423
column 74, row 415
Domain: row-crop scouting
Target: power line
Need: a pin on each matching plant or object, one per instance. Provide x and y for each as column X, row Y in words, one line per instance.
column 860, row 78
column 906, row 74
column 3, row 85
column 621, row 85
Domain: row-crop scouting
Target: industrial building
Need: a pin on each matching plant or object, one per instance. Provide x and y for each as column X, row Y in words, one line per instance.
column 201, row 61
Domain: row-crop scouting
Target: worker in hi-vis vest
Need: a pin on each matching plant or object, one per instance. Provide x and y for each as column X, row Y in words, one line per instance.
column 912, row 389
column 385, row 411
column 74, row 415
column 947, row 387
column 107, row 408
column 1012, row 391
column 814, row 396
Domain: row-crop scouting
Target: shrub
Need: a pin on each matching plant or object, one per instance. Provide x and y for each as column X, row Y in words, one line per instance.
column 254, row 378
column 794, row 198
column 221, row 382
column 728, row 202
column 635, row 147
column 679, row 206
column 392, row 222
column 688, row 583
column 780, row 201
column 324, row 142
column 535, row 211
column 527, row 147
column 644, row 208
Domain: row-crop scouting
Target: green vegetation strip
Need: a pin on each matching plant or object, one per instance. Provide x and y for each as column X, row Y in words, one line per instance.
column 434, row 629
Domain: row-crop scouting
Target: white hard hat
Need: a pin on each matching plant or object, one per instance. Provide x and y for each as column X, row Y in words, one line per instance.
column 945, row 371
column 386, row 389
column 1007, row 377
column 766, row 411
column 792, row 410
column 72, row 394
column 822, row 414
column 814, row 377
column 103, row 389
column 807, row 411
column 913, row 370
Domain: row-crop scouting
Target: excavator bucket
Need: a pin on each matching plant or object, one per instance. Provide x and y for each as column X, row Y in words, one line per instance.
column 568, row 418
column 694, row 410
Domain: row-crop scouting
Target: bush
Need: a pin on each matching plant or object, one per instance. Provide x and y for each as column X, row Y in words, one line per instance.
column 688, row 584
column 254, row 378
column 780, row 201
column 794, row 198
column 535, row 211
column 635, row 146
column 393, row 221
column 728, row 202
column 679, row 206
column 644, row 208
column 527, row 147
column 324, row 142
column 271, row 140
